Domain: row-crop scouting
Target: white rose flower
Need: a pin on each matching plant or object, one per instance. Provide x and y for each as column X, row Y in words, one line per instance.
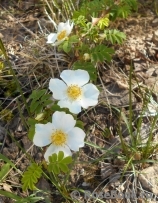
column 63, row 31
column 61, row 134
column 74, row 92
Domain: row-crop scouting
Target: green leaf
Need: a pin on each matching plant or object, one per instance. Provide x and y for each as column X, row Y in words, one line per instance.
column 67, row 160
column 34, row 106
column 55, row 107
column 79, row 124
column 45, row 97
column 63, row 167
column 4, row 170
column 104, row 22
column 60, row 156
column 31, row 176
column 31, row 132
column 114, row 36
column 101, row 53
column 10, row 195
column 73, row 39
column 54, row 157
column 67, row 46
column 37, row 94
column 31, row 121
column 56, row 169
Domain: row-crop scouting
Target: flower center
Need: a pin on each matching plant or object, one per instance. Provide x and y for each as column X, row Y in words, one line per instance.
column 61, row 35
column 74, row 92
column 58, row 138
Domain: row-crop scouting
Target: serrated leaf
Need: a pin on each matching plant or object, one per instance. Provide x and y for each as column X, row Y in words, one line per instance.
column 60, row 156
column 115, row 36
column 101, row 53
column 33, row 106
column 63, row 167
column 39, row 108
column 36, row 94
column 54, row 157
column 45, row 97
column 67, row 46
column 67, row 160
column 56, row 169
column 55, row 107
column 48, row 102
column 31, row 121
column 74, row 39
column 30, row 176
column 50, row 167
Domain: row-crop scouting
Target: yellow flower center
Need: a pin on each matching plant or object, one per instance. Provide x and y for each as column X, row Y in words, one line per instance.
column 61, row 35
column 74, row 92
column 58, row 138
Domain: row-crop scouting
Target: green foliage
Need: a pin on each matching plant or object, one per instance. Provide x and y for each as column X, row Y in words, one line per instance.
column 68, row 44
column 88, row 66
column 58, row 163
column 4, row 171
column 114, row 36
column 79, row 124
column 101, row 53
column 31, row 176
column 6, row 115
column 95, row 6
column 104, row 22
column 40, row 99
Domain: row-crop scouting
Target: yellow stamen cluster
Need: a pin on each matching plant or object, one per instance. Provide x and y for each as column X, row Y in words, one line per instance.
column 58, row 138
column 74, row 92
column 61, row 35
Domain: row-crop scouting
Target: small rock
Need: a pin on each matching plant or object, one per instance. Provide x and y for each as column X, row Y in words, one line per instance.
column 155, row 37
column 155, row 22
column 148, row 179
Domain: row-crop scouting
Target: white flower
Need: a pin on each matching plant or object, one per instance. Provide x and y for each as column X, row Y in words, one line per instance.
column 61, row 134
column 63, row 30
column 74, row 92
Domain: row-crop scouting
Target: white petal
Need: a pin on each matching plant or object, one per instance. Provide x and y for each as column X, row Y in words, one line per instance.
column 76, row 138
column 78, row 77
column 68, row 27
column 90, row 95
column 52, row 38
column 55, row 149
column 74, row 107
column 58, row 42
column 58, row 87
column 63, row 121
column 42, row 134
column 61, row 27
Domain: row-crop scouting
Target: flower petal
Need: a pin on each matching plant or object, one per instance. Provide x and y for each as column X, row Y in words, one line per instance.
column 74, row 107
column 90, row 95
column 42, row 134
column 61, row 27
column 58, row 87
column 58, row 42
column 55, row 149
column 51, row 38
column 79, row 77
column 76, row 138
column 63, row 121
column 68, row 27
